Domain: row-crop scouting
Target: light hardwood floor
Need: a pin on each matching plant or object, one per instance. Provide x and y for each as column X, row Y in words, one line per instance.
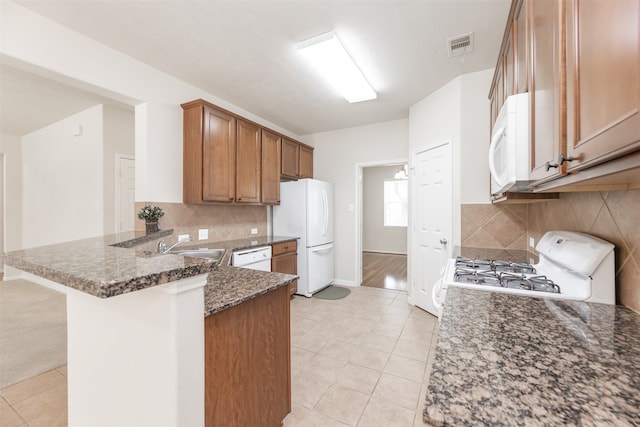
column 388, row 271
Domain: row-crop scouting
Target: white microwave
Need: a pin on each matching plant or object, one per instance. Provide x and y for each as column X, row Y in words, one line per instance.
column 509, row 150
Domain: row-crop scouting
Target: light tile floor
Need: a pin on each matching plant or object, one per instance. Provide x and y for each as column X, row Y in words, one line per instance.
column 360, row 361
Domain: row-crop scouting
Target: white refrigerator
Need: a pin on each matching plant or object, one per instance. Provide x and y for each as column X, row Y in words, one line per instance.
column 306, row 211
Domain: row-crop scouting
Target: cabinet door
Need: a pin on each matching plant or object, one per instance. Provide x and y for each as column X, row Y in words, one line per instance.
column 603, row 83
column 521, row 47
column 248, row 163
column 287, row 263
column 508, row 59
column 306, row 162
column 218, row 156
column 290, row 159
column 271, row 146
column 545, row 89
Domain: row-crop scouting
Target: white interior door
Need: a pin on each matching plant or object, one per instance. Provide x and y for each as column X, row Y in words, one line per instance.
column 432, row 221
column 125, row 193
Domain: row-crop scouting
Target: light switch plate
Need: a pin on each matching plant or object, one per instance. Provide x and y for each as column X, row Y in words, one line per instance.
column 532, row 242
column 203, row 234
column 183, row 237
column 254, row 231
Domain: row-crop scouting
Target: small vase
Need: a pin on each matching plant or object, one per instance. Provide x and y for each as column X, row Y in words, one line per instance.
column 151, row 226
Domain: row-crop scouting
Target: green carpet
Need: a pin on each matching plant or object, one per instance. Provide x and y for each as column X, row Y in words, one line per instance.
column 332, row 292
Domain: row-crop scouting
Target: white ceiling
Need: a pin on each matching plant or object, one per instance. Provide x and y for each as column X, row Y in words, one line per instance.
column 245, row 51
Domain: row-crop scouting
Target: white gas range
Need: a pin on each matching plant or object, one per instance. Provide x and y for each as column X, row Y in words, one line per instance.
column 573, row 266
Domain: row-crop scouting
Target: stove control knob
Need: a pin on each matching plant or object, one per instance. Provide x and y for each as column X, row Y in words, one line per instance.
column 443, row 241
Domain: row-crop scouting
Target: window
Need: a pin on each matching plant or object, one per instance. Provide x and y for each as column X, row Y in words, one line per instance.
column 396, row 204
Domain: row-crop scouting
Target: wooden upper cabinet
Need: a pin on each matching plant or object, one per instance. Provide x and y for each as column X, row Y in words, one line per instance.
column 230, row 159
column 248, row 163
column 271, row 155
column 545, row 87
column 603, row 80
column 297, row 160
column 290, row 159
column 209, row 154
column 306, row 162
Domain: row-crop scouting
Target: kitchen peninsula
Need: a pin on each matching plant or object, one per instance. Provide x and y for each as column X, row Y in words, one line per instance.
column 511, row 360
column 153, row 339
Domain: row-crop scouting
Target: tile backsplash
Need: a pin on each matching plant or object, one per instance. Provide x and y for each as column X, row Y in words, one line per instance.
column 613, row 216
column 224, row 222
column 493, row 226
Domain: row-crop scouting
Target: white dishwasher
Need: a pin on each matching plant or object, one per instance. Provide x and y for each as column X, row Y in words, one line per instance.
column 254, row 258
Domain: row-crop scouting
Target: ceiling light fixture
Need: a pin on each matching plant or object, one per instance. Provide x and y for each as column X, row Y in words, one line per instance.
column 402, row 173
column 328, row 56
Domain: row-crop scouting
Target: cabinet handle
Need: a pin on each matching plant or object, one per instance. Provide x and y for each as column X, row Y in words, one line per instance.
column 562, row 159
column 230, row 198
column 548, row 166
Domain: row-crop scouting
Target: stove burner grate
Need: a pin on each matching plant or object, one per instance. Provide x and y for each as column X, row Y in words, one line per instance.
column 494, row 265
column 479, row 277
column 535, row 283
column 502, row 274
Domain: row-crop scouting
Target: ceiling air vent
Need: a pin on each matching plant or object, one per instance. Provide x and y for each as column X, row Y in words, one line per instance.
column 460, row 45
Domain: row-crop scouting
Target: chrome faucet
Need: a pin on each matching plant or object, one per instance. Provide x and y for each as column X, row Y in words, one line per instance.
column 163, row 249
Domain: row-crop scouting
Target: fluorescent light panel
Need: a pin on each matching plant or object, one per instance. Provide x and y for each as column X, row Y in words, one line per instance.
column 328, row 56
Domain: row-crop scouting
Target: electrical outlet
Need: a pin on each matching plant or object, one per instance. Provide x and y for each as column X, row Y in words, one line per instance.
column 183, row 237
column 203, row 234
column 532, row 242
column 254, row 231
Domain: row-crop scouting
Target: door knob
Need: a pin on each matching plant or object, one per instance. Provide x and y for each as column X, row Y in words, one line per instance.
column 443, row 241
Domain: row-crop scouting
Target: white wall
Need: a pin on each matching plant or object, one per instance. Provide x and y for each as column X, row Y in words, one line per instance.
column 375, row 236
column 336, row 155
column 458, row 111
column 118, row 139
column 433, row 121
column 39, row 45
column 62, row 178
column 474, row 137
column 11, row 148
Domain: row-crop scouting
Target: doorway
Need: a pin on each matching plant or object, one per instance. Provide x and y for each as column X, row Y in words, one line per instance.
column 382, row 225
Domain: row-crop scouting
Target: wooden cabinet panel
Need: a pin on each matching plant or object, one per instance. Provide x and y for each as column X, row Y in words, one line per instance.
column 283, row 248
column 306, row 162
column 547, row 131
column 522, row 47
column 509, row 67
column 287, row 263
column 248, row 163
column 248, row 363
column 290, row 159
column 271, row 146
column 603, row 80
column 218, row 156
column 285, row 260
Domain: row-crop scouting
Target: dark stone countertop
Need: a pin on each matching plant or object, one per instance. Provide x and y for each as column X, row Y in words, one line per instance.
column 117, row 264
column 512, row 360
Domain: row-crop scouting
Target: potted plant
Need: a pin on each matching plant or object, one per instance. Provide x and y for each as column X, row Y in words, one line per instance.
column 151, row 215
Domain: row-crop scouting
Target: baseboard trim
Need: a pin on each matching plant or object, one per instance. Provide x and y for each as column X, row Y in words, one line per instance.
column 345, row 283
column 385, row 252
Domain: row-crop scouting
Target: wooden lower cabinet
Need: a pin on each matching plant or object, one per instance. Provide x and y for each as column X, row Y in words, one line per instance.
column 284, row 259
column 248, row 363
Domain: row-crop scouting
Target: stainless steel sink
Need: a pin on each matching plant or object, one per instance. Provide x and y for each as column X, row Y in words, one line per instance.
column 200, row 253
